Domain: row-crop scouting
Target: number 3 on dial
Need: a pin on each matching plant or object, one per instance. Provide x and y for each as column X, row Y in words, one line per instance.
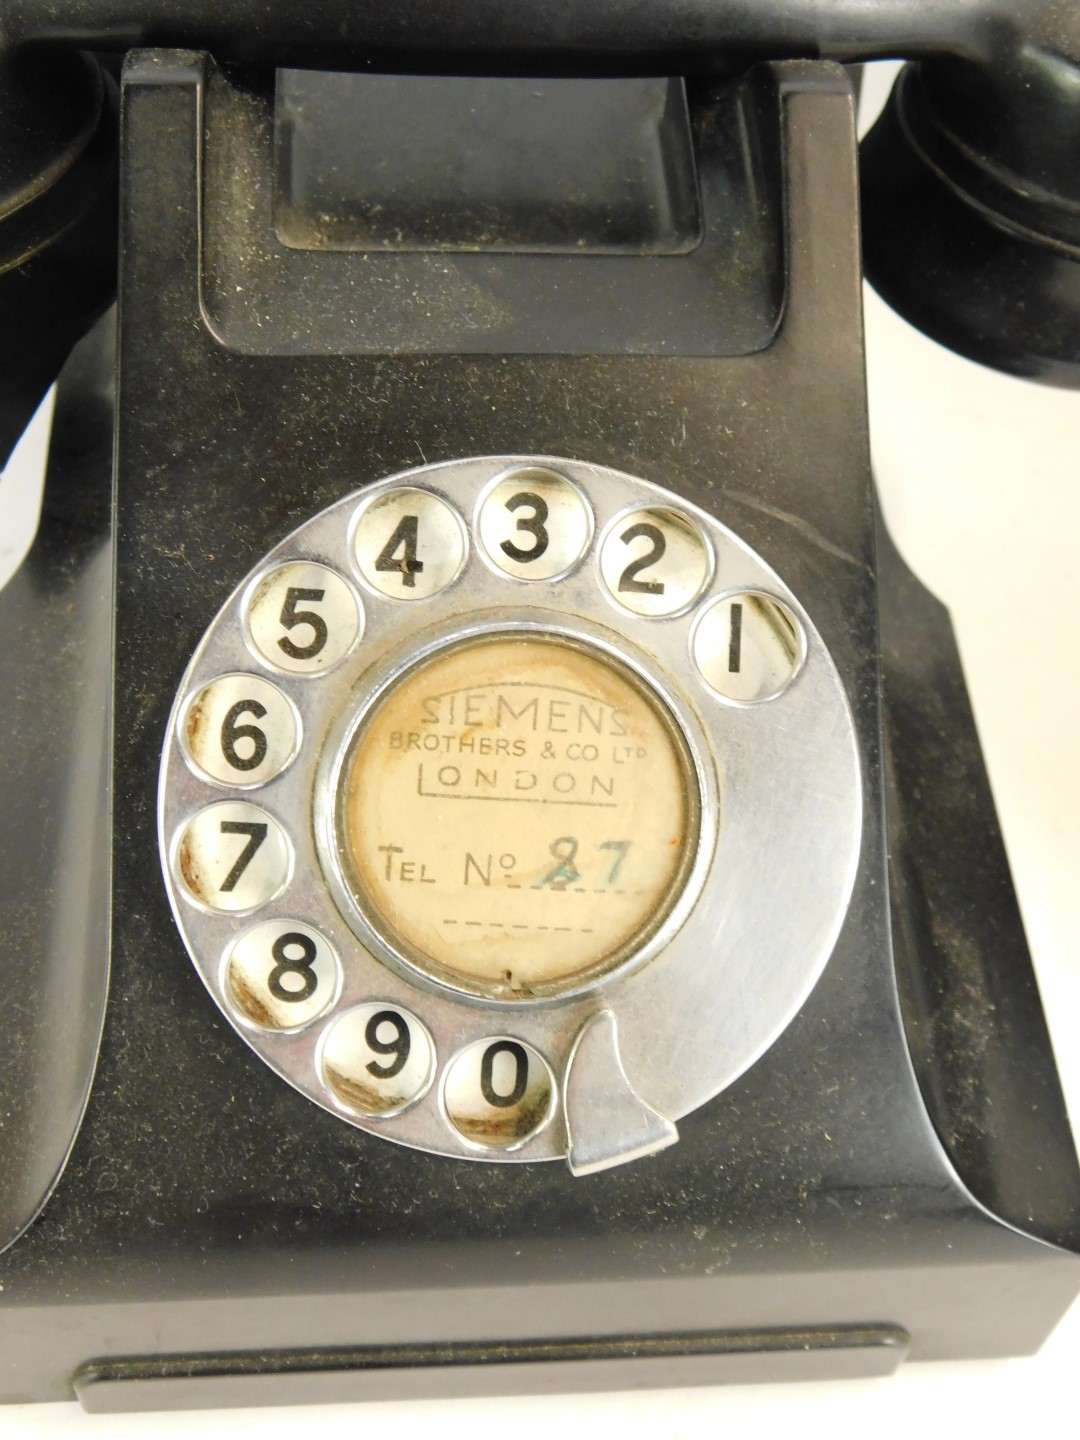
column 534, row 524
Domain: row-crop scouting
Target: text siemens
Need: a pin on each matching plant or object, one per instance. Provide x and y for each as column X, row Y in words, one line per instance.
column 541, row 714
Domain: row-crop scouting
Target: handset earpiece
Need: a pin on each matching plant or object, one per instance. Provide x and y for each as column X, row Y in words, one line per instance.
column 971, row 208
column 58, row 219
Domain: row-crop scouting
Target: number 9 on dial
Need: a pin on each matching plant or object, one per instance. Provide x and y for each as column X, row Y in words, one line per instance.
column 377, row 1060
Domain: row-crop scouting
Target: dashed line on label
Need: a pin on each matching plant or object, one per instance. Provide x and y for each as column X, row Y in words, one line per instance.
column 516, row 925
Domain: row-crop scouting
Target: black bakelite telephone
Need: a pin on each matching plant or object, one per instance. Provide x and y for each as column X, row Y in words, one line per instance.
column 461, row 665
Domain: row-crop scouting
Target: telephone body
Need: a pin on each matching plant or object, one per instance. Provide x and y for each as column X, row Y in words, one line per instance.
column 701, row 1086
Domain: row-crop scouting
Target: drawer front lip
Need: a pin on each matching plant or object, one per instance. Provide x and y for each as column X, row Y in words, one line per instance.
column 457, row 1370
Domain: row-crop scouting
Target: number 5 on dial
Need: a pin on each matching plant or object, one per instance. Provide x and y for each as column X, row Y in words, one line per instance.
column 302, row 618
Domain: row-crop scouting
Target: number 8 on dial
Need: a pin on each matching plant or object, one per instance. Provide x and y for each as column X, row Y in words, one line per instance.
column 281, row 974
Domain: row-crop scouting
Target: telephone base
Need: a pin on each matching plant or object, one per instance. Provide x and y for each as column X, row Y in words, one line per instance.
column 893, row 1177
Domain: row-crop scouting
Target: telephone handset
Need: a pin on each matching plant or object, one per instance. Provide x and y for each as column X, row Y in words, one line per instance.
column 466, row 779
column 518, row 712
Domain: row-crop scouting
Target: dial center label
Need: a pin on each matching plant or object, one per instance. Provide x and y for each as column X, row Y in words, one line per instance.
column 518, row 813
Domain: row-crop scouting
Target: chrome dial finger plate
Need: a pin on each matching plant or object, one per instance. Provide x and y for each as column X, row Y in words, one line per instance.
column 426, row 1040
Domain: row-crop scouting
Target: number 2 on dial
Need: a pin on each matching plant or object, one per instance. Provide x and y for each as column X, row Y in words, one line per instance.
column 657, row 545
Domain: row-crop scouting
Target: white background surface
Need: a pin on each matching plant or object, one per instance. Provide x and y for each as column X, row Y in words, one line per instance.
column 979, row 479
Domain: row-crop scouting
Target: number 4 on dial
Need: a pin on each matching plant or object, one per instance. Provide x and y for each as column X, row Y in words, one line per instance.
column 408, row 544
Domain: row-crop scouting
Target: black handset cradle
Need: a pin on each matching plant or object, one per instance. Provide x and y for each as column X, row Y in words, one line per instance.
column 484, row 657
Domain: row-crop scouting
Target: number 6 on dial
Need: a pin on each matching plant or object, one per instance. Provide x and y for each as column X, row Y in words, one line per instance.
column 240, row 730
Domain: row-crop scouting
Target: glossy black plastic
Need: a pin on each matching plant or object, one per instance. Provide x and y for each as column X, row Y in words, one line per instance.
column 458, row 163
column 559, row 37
column 214, row 1233
column 1002, row 77
column 980, row 255
column 55, row 724
column 58, row 198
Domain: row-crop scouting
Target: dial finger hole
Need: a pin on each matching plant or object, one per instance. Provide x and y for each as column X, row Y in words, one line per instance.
column 654, row 562
column 281, row 974
column 408, row 544
column 377, row 1060
column 749, row 647
column 534, row 525
column 239, row 730
column 232, row 857
column 498, row 1093
column 303, row 618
